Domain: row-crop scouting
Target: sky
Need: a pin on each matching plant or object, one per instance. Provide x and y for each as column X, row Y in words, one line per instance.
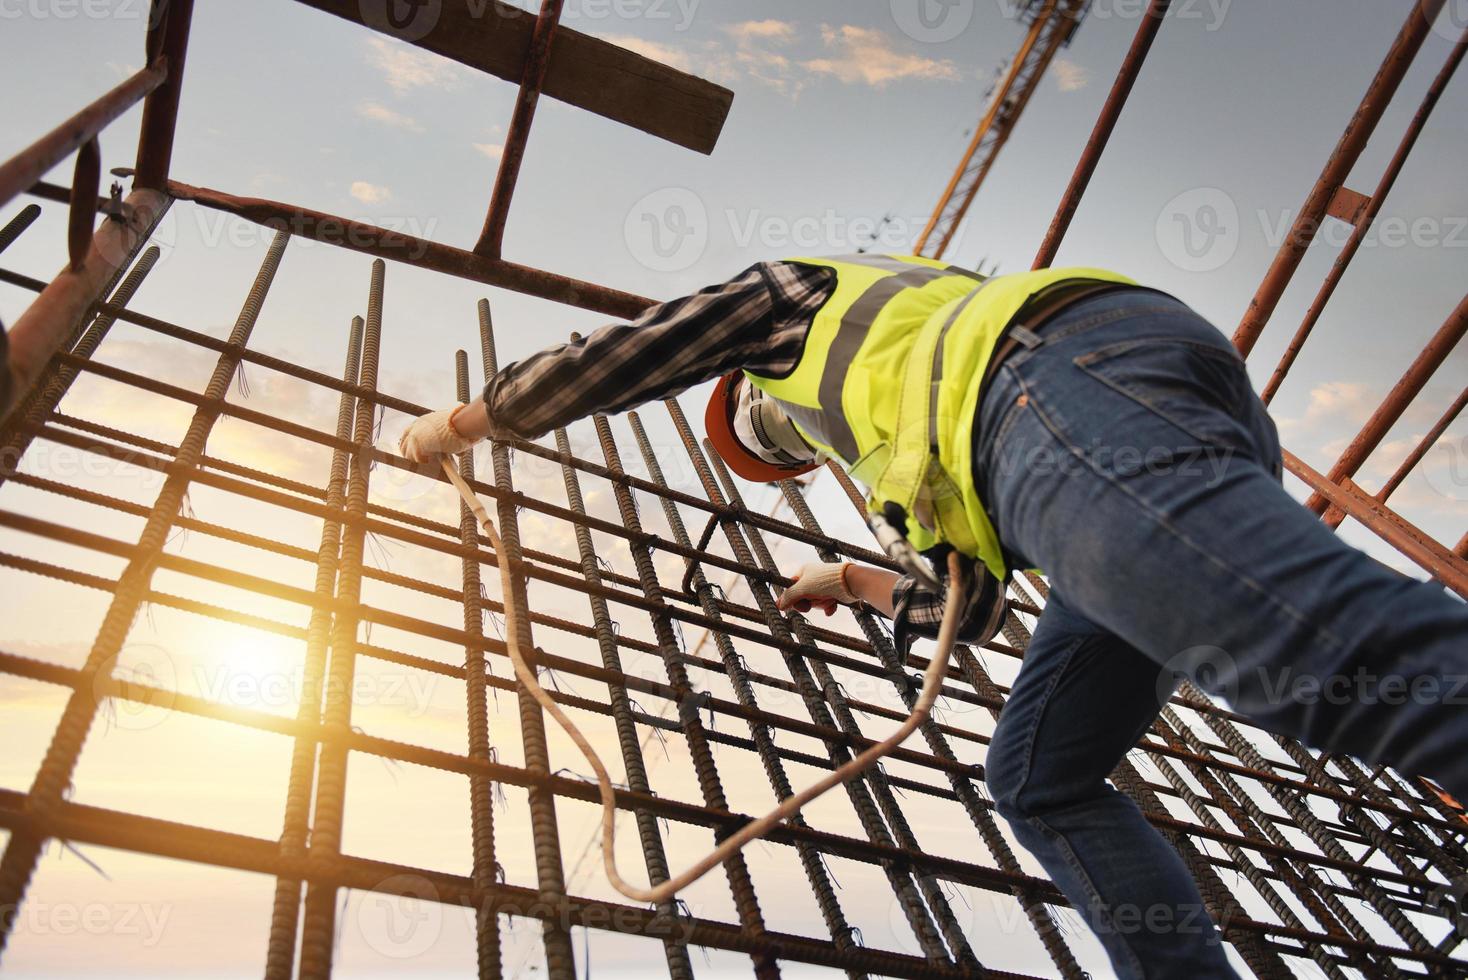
column 844, row 113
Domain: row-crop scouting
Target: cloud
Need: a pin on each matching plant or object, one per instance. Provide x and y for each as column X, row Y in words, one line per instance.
column 369, row 193
column 492, row 150
column 406, row 68
column 762, row 30
column 654, row 51
column 867, row 57
column 1070, row 76
column 1331, row 404
column 377, row 112
column 752, row 51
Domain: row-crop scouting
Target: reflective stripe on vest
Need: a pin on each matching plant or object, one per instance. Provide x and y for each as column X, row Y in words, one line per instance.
column 888, row 383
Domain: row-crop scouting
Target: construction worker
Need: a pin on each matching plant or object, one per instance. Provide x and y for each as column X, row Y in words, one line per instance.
column 1068, row 420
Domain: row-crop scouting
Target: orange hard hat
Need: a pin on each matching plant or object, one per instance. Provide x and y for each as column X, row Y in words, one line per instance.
column 745, row 460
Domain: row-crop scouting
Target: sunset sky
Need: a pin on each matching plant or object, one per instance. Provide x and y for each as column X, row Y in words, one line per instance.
column 844, row 113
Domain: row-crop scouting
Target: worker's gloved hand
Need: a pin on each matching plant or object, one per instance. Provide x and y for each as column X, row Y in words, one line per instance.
column 433, row 434
column 818, row 586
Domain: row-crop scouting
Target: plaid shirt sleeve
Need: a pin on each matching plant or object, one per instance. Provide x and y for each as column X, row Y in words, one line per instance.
column 918, row 612
column 757, row 320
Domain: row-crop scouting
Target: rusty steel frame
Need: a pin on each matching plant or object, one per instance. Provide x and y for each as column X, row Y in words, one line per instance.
column 1329, row 815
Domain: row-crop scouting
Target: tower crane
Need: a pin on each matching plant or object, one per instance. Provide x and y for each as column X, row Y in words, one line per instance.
column 1052, row 24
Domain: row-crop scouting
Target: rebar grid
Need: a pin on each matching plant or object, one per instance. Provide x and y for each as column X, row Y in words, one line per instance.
column 1300, row 856
column 1344, row 819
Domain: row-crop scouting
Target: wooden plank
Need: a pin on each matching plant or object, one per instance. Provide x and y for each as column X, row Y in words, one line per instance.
column 584, row 71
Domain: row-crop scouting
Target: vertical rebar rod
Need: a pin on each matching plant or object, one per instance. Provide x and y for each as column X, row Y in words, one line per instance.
column 1265, row 822
column 48, row 394
column 1038, row 914
column 1357, row 818
column 769, row 754
column 318, row 932
column 23, row 219
column 1311, row 825
column 481, row 787
column 746, row 901
column 1448, row 855
column 48, row 790
column 286, row 911
column 1262, row 885
column 1219, row 902
column 653, row 852
column 1217, row 898
column 560, row 958
column 826, row 703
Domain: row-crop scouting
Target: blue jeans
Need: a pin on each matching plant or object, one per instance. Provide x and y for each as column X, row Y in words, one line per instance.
column 1126, row 454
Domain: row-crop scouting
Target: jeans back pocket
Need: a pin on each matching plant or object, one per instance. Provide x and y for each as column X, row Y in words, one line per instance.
column 1196, row 387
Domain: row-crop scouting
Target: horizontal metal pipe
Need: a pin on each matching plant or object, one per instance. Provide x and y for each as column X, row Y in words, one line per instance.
column 273, row 589
column 763, row 521
column 1446, row 567
column 67, row 822
column 420, row 252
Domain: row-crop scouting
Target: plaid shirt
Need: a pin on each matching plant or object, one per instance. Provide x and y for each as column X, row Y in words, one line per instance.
column 756, row 321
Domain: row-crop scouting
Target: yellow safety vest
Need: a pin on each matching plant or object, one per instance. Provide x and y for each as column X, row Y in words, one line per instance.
column 888, row 385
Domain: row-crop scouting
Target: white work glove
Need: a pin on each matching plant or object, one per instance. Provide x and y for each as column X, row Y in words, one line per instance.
column 431, row 435
column 820, row 586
